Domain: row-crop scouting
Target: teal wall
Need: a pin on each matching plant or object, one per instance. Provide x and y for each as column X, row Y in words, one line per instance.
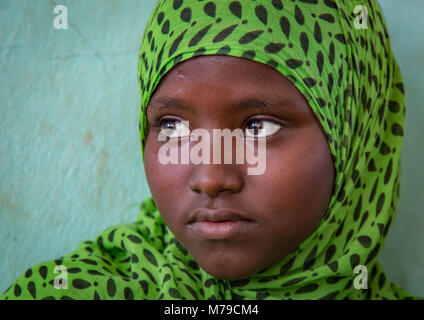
column 70, row 158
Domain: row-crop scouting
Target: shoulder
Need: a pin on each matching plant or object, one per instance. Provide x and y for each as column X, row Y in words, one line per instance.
column 120, row 263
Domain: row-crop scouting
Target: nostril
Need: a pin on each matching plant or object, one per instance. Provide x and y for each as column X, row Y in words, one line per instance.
column 212, row 179
column 196, row 190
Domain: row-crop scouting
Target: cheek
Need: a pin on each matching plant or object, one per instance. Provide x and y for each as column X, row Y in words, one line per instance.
column 297, row 184
column 165, row 181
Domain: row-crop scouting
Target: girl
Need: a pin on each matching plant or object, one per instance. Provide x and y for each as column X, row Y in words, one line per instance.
column 322, row 87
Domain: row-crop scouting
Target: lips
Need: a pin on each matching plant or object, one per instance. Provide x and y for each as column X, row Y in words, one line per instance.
column 220, row 224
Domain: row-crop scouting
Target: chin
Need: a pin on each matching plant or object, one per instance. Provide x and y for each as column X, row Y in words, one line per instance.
column 226, row 270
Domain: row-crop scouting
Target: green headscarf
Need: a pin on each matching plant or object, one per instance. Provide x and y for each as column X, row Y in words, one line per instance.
column 353, row 84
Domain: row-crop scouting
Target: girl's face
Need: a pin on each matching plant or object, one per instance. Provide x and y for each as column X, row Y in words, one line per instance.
column 283, row 205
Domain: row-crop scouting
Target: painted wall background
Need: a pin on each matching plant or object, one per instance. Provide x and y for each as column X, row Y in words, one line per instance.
column 70, row 159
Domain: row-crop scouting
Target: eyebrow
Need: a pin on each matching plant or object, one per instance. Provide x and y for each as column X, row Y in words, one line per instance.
column 255, row 102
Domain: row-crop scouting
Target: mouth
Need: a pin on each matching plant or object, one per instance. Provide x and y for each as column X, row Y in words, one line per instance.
column 219, row 224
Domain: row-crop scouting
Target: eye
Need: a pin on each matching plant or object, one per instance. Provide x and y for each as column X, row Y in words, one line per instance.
column 259, row 128
column 175, row 128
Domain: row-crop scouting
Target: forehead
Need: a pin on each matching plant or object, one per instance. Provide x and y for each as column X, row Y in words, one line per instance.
column 228, row 86
column 225, row 75
column 210, row 67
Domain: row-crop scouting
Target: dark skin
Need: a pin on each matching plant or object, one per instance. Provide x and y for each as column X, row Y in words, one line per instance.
column 285, row 203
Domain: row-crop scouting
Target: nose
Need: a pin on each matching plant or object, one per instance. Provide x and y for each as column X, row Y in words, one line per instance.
column 212, row 179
